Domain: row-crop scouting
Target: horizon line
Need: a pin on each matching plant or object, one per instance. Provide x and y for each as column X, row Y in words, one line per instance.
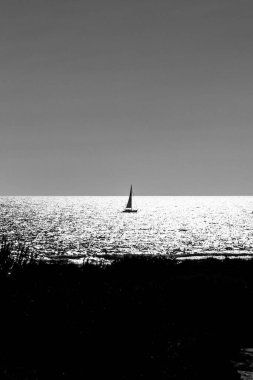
column 124, row 195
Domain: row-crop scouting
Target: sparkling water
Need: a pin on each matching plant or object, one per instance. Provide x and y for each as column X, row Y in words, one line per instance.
column 96, row 225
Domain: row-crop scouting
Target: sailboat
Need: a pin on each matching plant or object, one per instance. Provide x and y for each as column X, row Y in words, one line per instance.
column 129, row 206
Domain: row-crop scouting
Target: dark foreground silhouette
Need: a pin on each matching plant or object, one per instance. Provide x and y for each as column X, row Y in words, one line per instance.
column 136, row 319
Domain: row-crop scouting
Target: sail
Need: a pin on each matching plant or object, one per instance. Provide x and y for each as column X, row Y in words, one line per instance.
column 129, row 203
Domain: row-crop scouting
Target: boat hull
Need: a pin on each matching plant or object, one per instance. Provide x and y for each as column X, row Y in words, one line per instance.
column 129, row 210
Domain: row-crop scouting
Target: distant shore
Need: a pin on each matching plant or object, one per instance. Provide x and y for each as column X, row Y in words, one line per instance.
column 139, row 318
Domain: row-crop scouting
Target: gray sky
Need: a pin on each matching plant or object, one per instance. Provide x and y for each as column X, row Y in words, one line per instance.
column 98, row 94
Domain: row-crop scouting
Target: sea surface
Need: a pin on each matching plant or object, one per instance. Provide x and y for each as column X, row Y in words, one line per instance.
column 93, row 226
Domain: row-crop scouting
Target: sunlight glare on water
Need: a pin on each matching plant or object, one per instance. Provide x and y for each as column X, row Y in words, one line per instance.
column 96, row 225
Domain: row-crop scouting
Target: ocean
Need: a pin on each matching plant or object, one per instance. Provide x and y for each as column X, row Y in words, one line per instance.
column 94, row 226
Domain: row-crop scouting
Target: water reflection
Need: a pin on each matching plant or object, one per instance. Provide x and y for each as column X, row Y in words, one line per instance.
column 163, row 225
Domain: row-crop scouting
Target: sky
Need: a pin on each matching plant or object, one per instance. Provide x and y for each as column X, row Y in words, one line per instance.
column 98, row 94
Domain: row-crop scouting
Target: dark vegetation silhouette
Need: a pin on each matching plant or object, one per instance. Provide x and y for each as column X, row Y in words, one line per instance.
column 140, row 318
